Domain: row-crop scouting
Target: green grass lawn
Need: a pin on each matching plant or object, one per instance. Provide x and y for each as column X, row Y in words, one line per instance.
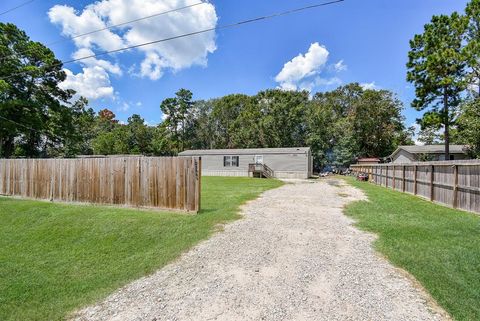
column 438, row 245
column 55, row 258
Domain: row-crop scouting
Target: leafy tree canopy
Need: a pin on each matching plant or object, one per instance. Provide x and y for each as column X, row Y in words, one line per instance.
column 36, row 113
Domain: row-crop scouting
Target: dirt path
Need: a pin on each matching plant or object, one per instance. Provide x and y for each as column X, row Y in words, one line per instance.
column 294, row 256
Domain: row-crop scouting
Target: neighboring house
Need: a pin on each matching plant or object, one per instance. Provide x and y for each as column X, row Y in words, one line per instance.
column 292, row 162
column 408, row 154
column 368, row 161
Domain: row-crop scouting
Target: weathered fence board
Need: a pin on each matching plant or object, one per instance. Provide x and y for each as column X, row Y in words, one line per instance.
column 453, row 183
column 160, row 182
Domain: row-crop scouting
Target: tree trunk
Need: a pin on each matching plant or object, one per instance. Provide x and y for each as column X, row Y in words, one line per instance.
column 477, row 72
column 447, row 124
column 183, row 132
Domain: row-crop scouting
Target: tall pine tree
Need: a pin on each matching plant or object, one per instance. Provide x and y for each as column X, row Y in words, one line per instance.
column 436, row 67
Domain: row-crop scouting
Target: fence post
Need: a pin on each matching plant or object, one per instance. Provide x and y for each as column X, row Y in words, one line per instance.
column 455, row 187
column 386, row 176
column 52, row 170
column 384, row 173
column 432, row 187
column 199, row 185
column 379, row 175
column 403, row 179
column 415, row 180
column 393, row 177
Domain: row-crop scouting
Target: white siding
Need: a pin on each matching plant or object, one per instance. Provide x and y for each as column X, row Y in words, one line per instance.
column 403, row 157
column 287, row 162
column 215, row 163
column 283, row 165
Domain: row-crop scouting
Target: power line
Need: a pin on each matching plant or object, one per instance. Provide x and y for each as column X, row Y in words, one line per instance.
column 110, row 27
column 128, row 22
column 16, row 7
column 227, row 26
column 14, row 122
column 33, row 129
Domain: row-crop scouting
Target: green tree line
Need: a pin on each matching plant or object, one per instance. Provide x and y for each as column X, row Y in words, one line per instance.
column 340, row 125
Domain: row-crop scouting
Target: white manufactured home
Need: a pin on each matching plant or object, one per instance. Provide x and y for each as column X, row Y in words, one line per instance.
column 291, row 162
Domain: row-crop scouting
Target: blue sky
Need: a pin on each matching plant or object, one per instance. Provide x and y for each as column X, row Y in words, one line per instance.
column 370, row 37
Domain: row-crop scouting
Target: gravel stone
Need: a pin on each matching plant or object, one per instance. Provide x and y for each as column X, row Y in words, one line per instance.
column 294, row 256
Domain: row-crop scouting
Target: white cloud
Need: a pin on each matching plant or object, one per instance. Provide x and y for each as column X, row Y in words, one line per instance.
column 151, row 66
column 124, row 107
column 138, row 104
column 176, row 54
column 318, row 81
column 157, row 58
column 92, row 83
column 74, row 23
column 306, row 85
column 334, row 81
column 367, row 86
column 302, row 66
column 340, row 66
column 92, row 62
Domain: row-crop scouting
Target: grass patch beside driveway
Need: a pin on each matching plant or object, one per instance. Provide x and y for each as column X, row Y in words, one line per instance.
column 439, row 246
column 55, row 258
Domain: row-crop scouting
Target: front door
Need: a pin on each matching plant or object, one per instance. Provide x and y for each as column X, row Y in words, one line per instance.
column 258, row 159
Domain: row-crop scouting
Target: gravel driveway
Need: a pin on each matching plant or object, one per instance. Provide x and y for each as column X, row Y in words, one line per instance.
column 294, row 256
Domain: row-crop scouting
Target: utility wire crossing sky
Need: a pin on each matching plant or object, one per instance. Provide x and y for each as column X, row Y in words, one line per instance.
column 232, row 25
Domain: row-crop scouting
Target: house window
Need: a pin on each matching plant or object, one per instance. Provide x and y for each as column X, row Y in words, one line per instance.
column 452, row 157
column 258, row 159
column 230, row 161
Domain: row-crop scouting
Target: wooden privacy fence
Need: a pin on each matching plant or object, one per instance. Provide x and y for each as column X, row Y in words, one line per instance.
column 159, row 182
column 453, row 183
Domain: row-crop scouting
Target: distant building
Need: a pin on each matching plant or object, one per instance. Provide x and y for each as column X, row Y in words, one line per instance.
column 408, row 154
column 368, row 161
column 291, row 162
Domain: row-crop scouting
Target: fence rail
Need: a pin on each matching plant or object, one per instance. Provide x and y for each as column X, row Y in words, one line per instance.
column 158, row 182
column 453, row 183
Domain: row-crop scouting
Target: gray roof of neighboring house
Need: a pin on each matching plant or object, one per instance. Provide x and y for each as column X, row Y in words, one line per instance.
column 431, row 149
column 246, row 151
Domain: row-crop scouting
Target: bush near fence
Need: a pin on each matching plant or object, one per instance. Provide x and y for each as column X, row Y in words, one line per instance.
column 158, row 182
column 453, row 183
